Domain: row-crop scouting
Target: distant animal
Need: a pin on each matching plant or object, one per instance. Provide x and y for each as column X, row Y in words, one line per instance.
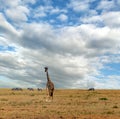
column 91, row 89
column 39, row 89
column 31, row 89
column 49, row 85
column 17, row 89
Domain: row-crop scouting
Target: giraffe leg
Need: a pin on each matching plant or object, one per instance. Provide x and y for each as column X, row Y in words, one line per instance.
column 49, row 97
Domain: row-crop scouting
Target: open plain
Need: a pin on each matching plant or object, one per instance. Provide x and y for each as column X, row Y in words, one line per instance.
column 67, row 104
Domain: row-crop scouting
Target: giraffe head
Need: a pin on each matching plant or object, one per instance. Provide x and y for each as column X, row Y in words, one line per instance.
column 46, row 68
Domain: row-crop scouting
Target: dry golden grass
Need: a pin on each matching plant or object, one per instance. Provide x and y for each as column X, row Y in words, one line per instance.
column 67, row 104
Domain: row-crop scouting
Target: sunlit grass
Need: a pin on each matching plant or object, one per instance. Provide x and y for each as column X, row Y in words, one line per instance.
column 67, row 104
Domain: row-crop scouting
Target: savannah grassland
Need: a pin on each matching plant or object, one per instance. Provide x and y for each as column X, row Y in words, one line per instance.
column 67, row 104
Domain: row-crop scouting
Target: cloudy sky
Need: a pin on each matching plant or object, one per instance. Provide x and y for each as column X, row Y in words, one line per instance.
column 79, row 41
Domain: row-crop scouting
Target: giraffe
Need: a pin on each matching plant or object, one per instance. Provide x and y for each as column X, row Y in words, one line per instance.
column 49, row 85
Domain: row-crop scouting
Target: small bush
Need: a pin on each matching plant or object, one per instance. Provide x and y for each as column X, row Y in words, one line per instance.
column 103, row 99
column 70, row 96
column 115, row 106
column 44, row 106
column 4, row 99
column 110, row 112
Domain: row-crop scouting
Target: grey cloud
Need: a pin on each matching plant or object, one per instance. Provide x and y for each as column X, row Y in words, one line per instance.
column 7, row 30
column 101, row 44
column 44, row 37
column 37, row 36
column 26, row 74
column 57, row 70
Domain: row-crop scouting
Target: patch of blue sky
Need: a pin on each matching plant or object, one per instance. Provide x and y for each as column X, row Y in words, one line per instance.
column 51, row 19
column 11, row 48
column 111, row 69
column 117, row 4
column 54, row 3
column 7, row 48
column 39, row 3
column 94, row 4
column 60, row 3
column 73, row 17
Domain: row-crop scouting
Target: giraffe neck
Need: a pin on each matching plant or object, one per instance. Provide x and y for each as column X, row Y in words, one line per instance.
column 48, row 78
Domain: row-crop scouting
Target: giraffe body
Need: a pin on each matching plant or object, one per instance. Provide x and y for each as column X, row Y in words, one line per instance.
column 50, row 87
